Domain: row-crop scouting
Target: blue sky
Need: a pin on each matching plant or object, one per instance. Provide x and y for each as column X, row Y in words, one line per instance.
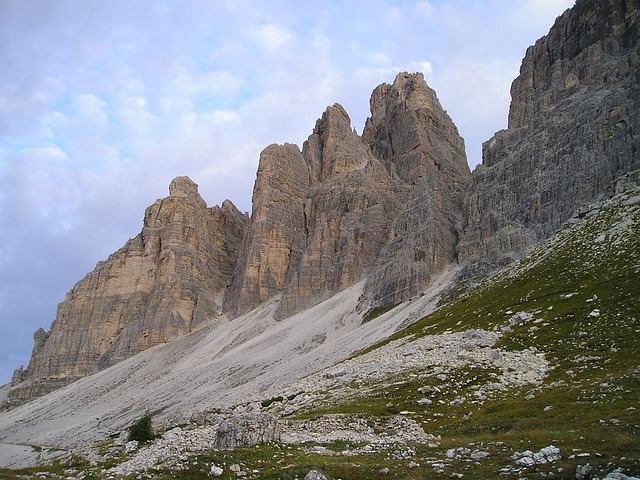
column 102, row 103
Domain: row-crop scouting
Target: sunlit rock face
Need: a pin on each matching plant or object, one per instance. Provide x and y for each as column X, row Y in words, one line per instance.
column 164, row 283
column 573, row 129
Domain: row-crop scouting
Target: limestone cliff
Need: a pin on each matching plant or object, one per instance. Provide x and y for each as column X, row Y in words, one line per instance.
column 419, row 143
column 164, row 283
column 385, row 205
column 574, row 127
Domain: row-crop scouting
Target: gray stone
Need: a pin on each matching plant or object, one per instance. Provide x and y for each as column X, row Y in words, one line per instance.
column 584, row 472
column 215, row 471
column 573, row 130
column 314, row 475
column 246, row 430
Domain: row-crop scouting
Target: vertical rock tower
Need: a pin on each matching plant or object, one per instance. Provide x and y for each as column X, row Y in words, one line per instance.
column 386, row 205
column 574, row 127
column 164, row 283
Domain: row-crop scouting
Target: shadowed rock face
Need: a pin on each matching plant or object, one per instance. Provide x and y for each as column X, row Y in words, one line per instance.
column 385, row 205
column 164, row 283
column 419, row 144
column 573, row 129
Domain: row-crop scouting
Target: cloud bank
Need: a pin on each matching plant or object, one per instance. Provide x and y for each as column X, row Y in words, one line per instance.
column 103, row 103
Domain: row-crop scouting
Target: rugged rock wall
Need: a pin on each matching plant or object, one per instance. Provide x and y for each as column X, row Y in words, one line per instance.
column 386, row 205
column 417, row 141
column 394, row 207
column 164, row 283
column 574, row 127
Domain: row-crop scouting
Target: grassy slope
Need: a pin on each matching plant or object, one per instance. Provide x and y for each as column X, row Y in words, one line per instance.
column 593, row 386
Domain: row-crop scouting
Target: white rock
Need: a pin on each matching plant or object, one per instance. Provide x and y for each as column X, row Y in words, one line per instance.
column 314, row 475
column 215, row 471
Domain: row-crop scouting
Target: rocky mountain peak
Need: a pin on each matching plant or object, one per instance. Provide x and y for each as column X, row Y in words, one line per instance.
column 164, row 283
column 573, row 130
column 409, row 128
column 183, row 187
column 333, row 147
column 394, row 208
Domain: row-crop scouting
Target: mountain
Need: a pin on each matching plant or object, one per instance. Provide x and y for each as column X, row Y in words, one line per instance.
column 361, row 249
column 164, row 283
column 344, row 209
column 573, row 130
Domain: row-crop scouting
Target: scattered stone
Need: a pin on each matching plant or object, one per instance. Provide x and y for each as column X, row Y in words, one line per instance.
column 314, row 475
column 520, row 317
column 215, row 471
column 479, row 455
column 528, row 458
column 131, row 446
column 336, row 372
column 618, row 475
column 583, row 472
column 384, row 471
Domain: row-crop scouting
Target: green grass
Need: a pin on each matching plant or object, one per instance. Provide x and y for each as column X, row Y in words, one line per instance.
column 594, row 384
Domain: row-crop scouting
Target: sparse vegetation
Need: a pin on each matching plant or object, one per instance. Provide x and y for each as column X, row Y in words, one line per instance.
column 376, row 312
column 271, row 401
column 141, row 431
column 585, row 319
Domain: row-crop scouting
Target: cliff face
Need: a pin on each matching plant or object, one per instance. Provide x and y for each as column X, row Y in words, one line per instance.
column 417, row 141
column 384, row 206
column 164, row 283
column 573, row 129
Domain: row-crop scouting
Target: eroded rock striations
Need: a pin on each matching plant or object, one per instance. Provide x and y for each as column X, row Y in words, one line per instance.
column 386, row 205
column 164, row 283
column 574, row 127
column 417, row 141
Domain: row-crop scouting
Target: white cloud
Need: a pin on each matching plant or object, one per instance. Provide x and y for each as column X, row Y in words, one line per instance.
column 271, row 37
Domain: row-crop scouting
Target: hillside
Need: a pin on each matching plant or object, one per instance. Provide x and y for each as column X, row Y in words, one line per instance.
column 536, row 359
column 383, row 311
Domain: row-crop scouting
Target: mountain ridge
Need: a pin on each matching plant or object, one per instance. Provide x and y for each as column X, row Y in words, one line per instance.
column 342, row 231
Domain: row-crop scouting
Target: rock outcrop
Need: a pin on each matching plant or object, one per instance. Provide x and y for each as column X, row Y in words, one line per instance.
column 574, row 128
column 348, row 206
column 410, row 131
column 164, row 283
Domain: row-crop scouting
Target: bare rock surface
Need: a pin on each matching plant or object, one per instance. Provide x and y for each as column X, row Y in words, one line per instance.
column 349, row 207
column 163, row 284
column 419, row 143
column 574, row 128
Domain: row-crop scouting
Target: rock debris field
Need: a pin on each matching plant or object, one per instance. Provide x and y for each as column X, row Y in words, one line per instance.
column 259, row 420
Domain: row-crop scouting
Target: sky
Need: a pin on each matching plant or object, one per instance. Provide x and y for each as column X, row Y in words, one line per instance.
column 102, row 103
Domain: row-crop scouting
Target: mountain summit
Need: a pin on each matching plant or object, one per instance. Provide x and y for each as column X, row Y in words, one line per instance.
column 344, row 209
